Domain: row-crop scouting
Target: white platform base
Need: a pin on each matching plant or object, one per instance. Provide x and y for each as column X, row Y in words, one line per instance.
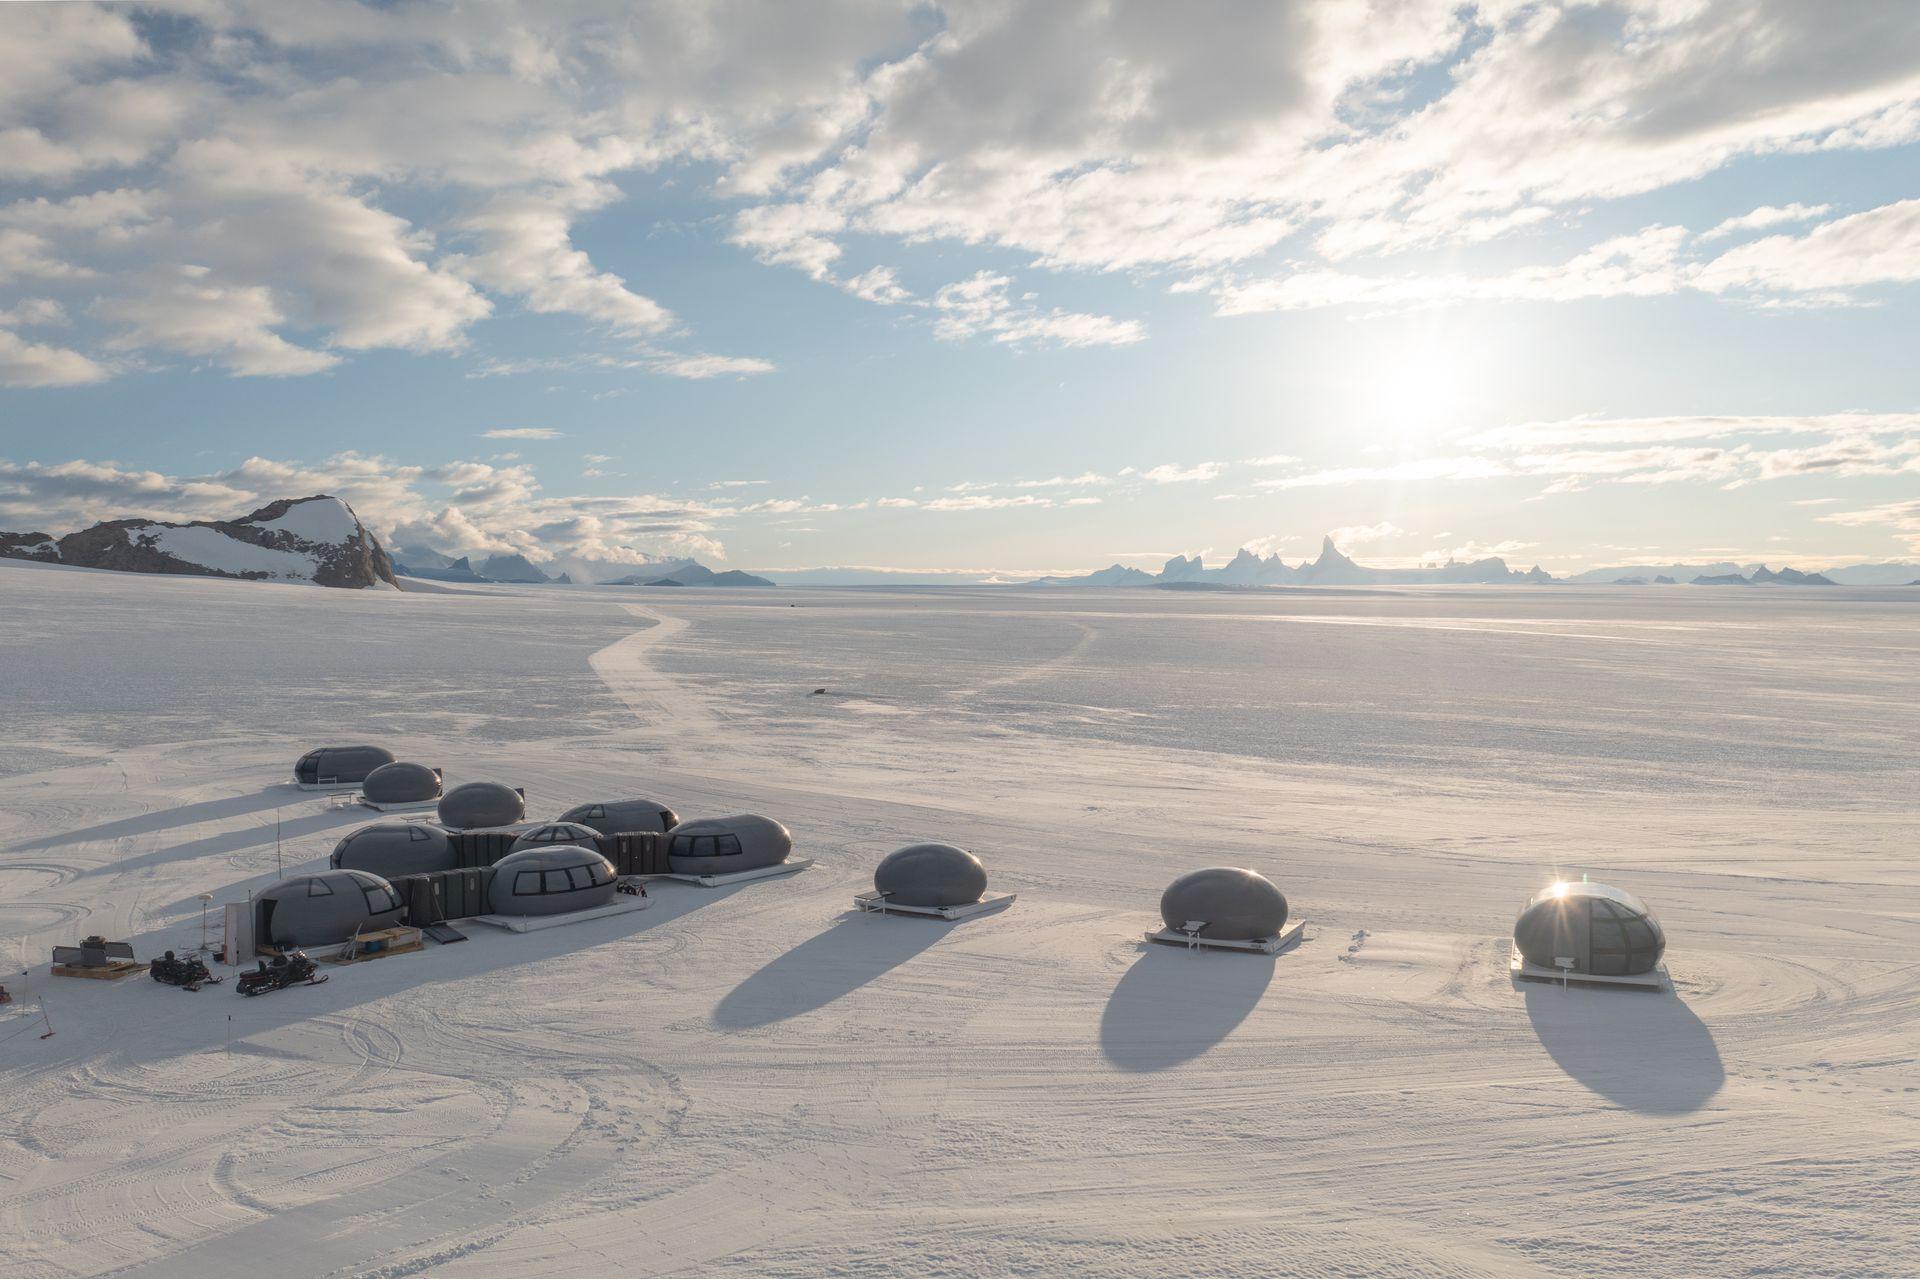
column 739, row 876
column 412, row 806
column 877, row 904
column 1520, row 968
column 1282, row 940
column 328, row 786
column 535, row 923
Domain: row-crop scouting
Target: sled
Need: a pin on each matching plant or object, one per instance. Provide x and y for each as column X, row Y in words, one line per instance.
column 1190, row 936
column 877, row 904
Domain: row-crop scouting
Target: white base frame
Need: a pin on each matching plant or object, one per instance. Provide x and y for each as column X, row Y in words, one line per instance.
column 328, row 786
column 1285, row 939
column 738, row 876
column 535, row 923
column 411, row 806
column 877, row 904
column 1521, row 969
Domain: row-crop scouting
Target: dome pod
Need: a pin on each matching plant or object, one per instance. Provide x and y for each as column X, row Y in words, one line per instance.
column 1233, row 904
column 726, row 845
column 478, row 805
column 930, row 875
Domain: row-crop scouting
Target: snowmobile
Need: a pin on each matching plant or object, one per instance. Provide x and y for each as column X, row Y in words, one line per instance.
column 190, row 973
column 285, row 970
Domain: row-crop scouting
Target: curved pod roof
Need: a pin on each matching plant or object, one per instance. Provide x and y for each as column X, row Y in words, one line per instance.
column 324, row 908
column 623, row 816
column 930, row 875
column 556, row 833
column 1589, row 928
column 551, row 879
column 480, row 804
column 339, row 765
column 401, row 783
column 1232, row 903
column 392, row 849
column 725, row 845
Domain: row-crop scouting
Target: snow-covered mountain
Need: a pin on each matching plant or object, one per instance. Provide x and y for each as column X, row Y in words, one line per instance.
column 1332, row 568
column 307, row 539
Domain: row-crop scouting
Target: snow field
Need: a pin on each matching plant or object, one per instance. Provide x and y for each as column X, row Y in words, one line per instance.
column 757, row 1080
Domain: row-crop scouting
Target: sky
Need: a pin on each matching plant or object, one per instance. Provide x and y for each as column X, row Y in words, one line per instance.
column 973, row 288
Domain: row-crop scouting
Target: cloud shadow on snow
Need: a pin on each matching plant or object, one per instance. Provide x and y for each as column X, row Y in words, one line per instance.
column 825, row 967
column 1174, row 1005
column 1646, row 1052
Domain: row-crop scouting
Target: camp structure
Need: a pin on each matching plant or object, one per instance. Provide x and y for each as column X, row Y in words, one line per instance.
column 338, row 767
column 1226, row 907
column 324, row 909
column 401, row 786
column 722, row 850
column 1588, row 933
column 552, row 884
column 623, row 816
column 480, row 804
column 555, row 833
column 941, row 880
column 392, row 849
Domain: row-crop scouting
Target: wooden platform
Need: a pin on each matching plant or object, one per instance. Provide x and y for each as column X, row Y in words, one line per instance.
column 1285, row 939
column 737, row 877
column 380, row 943
column 1523, row 971
column 109, row 972
column 877, row 904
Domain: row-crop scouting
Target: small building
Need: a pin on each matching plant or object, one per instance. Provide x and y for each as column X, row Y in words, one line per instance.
column 339, row 765
column 727, row 845
column 325, row 908
column 930, row 875
column 551, row 879
column 623, row 816
column 401, row 783
column 1227, row 902
column 556, row 833
column 393, row 849
column 1589, row 929
column 480, row 804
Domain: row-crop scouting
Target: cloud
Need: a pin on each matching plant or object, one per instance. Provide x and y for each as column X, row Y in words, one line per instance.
column 388, row 177
column 1902, row 517
column 523, row 433
column 34, row 364
column 1200, row 472
column 1366, row 534
column 1729, row 451
column 699, row 368
column 979, row 502
column 899, row 502
column 1083, row 480
column 1765, row 216
column 981, row 305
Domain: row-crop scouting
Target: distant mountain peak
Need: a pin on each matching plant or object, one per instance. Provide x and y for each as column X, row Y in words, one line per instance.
column 314, row 539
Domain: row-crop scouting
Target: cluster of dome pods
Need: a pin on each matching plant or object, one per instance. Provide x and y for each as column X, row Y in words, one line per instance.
column 1578, row 931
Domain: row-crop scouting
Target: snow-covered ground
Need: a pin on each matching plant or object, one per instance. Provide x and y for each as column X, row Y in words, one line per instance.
column 756, row 1081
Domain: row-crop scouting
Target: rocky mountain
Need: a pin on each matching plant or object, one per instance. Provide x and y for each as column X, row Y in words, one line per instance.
column 306, row 539
column 510, row 568
column 1762, row 576
column 1332, row 568
column 452, row 570
column 692, row 574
